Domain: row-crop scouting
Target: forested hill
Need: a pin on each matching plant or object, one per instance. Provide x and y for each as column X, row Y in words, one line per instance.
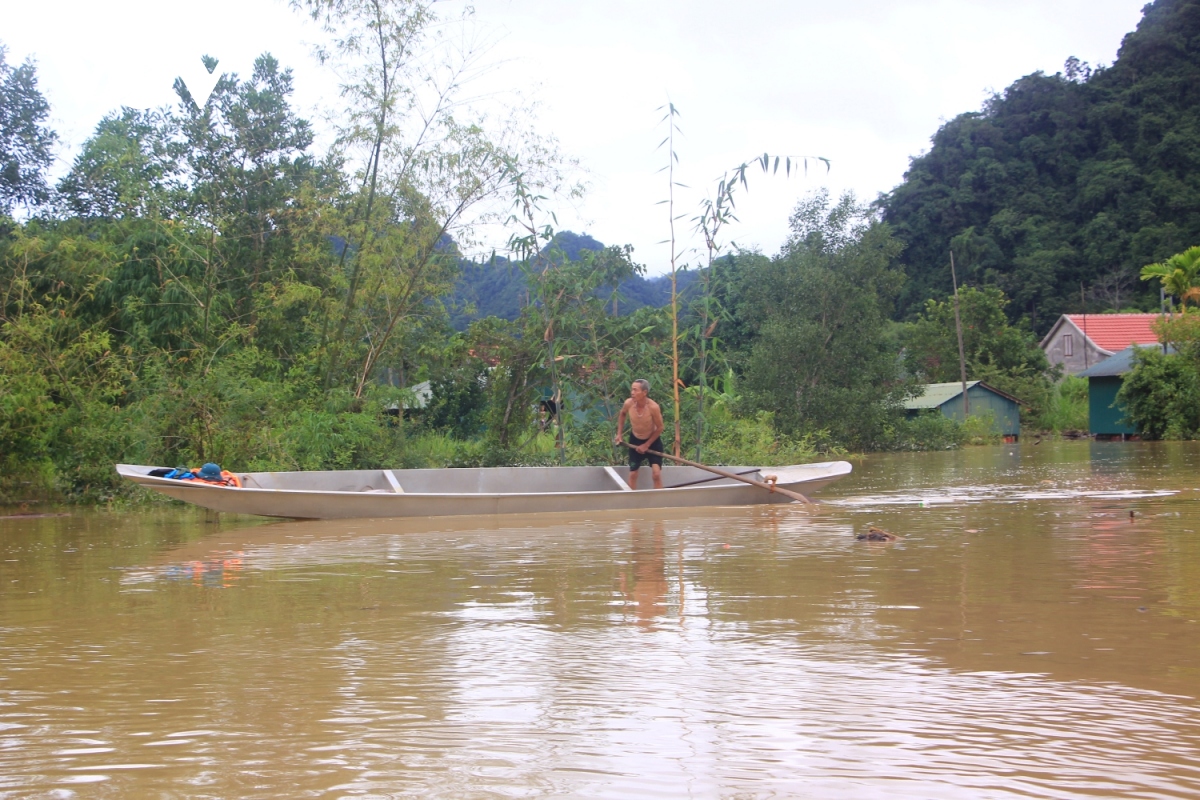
column 496, row 287
column 1064, row 182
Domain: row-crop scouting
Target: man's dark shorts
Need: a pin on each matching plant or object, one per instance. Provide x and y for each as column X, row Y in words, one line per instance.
column 636, row 458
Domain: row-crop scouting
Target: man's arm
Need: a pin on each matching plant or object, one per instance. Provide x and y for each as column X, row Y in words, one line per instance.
column 657, row 418
column 621, row 422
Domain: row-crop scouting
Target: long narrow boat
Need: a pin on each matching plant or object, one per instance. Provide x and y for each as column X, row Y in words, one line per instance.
column 499, row 490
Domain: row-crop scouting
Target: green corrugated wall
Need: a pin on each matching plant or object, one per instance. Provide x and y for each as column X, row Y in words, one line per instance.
column 1005, row 412
column 1104, row 416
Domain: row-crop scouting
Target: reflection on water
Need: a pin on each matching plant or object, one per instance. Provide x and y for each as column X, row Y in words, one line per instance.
column 646, row 590
column 1032, row 634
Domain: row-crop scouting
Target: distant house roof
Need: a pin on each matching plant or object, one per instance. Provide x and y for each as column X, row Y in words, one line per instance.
column 1110, row 332
column 1117, row 364
column 938, row 394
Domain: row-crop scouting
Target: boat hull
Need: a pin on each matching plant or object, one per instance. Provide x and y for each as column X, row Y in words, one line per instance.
column 503, row 490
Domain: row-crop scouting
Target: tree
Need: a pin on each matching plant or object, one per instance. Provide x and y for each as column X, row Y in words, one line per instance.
column 425, row 169
column 129, row 167
column 1005, row 355
column 245, row 162
column 819, row 353
column 25, row 141
column 1179, row 274
column 1161, row 395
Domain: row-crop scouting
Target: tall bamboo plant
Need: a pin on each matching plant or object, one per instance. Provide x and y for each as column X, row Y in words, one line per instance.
column 670, row 118
column 426, row 172
column 714, row 214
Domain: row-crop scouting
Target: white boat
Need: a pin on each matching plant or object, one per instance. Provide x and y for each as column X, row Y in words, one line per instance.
column 383, row 493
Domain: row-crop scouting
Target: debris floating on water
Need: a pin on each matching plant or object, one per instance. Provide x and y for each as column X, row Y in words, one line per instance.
column 876, row 534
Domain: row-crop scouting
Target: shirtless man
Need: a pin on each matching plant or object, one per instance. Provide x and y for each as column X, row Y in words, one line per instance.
column 645, row 418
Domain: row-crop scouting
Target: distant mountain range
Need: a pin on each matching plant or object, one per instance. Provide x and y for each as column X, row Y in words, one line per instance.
column 496, row 287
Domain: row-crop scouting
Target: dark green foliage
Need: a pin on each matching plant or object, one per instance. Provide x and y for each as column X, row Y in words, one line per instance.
column 1004, row 355
column 459, row 402
column 819, row 353
column 1161, row 396
column 1064, row 180
column 929, row 430
column 25, row 141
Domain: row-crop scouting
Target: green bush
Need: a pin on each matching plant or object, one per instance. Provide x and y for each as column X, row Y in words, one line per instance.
column 1066, row 408
column 754, row 440
column 932, row 430
column 1161, row 395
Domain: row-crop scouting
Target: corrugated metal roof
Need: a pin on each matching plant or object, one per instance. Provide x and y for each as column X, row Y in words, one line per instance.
column 937, row 393
column 1116, row 364
column 1115, row 332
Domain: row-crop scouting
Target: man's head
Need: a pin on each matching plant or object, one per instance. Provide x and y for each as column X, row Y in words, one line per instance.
column 640, row 388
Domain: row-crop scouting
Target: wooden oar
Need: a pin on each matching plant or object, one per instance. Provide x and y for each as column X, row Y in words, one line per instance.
column 770, row 487
column 711, row 478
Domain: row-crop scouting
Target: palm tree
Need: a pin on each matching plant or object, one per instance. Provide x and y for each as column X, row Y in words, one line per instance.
column 1179, row 274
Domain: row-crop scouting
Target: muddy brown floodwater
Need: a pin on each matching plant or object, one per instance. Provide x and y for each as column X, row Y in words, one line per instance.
column 1034, row 633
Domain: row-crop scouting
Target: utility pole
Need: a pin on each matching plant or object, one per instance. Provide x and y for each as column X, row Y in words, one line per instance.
column 962, row 359
column 1083, row 303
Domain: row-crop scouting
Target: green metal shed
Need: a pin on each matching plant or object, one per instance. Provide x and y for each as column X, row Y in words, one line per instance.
column 983, row 399
column 1106, row 417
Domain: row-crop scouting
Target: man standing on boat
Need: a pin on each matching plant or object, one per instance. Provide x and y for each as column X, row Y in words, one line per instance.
column 646, row 421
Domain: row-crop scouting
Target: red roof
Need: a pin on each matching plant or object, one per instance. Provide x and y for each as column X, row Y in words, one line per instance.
column 1114, row 332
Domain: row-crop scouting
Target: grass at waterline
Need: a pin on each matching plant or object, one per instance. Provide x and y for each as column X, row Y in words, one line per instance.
column 1067, row 409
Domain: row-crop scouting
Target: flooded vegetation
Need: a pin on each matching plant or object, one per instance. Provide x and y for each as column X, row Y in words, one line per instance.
column 1031, row 632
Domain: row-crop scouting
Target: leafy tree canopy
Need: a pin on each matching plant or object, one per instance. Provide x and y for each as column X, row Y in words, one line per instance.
column 25, row 141
column 819, row 351
column 1161, row 396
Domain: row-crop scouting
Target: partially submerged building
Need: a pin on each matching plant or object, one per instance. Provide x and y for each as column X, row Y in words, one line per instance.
column 982, row 400
column 1106, row 417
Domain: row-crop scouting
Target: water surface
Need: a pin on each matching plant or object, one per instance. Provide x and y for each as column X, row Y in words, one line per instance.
column 1033, row 634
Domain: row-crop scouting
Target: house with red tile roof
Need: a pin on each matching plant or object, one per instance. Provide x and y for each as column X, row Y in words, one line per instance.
column 1080, row 341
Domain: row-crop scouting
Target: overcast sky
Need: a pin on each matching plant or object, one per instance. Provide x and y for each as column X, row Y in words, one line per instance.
column 864, row 83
